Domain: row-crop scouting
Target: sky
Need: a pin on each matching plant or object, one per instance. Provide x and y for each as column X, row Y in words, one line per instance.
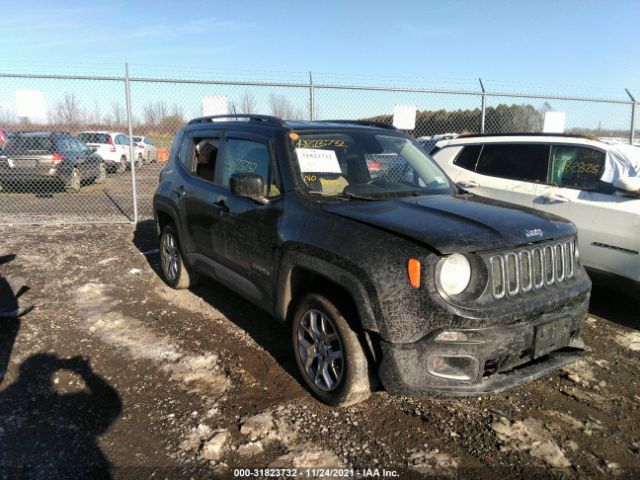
column 573, row 47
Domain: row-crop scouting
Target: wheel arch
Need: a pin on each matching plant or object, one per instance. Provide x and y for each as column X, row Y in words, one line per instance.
column 301, row 273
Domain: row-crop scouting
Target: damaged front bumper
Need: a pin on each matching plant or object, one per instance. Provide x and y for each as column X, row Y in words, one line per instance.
column 462, row 361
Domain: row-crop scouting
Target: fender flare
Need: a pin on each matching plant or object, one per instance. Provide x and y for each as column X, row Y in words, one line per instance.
column 339, row 275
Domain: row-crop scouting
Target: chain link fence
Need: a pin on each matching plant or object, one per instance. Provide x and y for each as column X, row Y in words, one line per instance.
column 89, row 149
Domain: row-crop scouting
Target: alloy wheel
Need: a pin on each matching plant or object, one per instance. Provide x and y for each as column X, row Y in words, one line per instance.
column 320, row 350
column 169, row 257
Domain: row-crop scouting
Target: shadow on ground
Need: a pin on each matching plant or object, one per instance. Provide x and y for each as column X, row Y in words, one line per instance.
column 615, row 306
column 49, row 434
column 10, row 313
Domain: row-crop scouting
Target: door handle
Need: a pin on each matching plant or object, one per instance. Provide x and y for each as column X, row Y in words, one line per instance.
column 468, row 184
column 180, row 190
column 221, row 205
column 554, row 198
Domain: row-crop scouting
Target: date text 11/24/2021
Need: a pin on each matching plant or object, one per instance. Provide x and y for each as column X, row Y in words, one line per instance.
column 315, row 472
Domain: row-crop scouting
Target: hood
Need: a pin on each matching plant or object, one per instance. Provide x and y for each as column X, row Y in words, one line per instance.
column 461, row 223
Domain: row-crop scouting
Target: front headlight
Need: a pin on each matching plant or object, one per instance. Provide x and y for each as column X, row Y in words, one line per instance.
column 455, row 274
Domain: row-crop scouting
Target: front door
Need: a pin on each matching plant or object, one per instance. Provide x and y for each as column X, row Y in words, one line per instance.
column 246, row 234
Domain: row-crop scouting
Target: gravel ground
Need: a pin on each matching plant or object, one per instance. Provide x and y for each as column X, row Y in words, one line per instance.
column 114, row 374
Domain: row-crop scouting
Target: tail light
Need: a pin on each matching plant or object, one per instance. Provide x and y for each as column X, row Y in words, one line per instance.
column 113, row 147
column 56, row 158
column 374, row 166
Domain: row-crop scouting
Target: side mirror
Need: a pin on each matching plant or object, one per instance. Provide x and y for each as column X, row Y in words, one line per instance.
column 247, row 185
column 628, row 184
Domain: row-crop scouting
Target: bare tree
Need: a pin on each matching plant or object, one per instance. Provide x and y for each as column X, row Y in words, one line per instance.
column 248, row 102
column 117, row 114
column 68, row 111
column 159, row 113
column 7, row 116
column 96, row 115
column 280, row 106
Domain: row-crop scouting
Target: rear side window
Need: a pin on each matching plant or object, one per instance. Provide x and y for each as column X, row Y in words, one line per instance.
column 468, row 157
column 94, row 137
column 206, row 158
column 525, row 162
column 248, row 156
column 576, row 167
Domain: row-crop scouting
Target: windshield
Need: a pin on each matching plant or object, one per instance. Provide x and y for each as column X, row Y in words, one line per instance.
column 366, row 165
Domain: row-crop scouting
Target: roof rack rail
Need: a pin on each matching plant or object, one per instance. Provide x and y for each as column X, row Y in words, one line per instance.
column 267, row 119
column 366, row 123
column 525, row 134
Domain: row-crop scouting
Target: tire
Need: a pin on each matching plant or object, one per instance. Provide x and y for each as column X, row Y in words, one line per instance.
column 75, row 181
column 174, row 270
column 102, row 174
column 328, row 344
column 122, row 166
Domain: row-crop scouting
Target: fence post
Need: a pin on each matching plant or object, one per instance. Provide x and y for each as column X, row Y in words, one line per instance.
column 484, row 106
column 633, row 117
column 132, row 163
column 312, row 101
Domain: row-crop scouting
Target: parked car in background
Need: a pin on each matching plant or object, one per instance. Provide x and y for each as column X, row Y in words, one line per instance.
column 113, row 147
column 146, row 151
column 594, row 184
column 3, row 136
column 429, row 142
column 379, row 273
column 52, row 157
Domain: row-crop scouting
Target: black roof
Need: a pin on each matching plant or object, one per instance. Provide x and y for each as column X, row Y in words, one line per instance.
column 38, row 133
column 272, row 121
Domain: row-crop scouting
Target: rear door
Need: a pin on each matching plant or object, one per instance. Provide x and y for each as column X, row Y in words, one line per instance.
column 608, row 224
column 195, row 193
column 509, row 172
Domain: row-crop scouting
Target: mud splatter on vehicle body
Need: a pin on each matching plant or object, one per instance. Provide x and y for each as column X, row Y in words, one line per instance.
column 392, row 274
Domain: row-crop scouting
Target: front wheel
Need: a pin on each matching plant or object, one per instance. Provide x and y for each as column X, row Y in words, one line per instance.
column 102, row 174
column 122, row 166
column 329, row 353
column 174, row 270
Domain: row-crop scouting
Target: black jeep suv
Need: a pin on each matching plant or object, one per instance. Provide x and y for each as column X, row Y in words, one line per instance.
column 350, row 233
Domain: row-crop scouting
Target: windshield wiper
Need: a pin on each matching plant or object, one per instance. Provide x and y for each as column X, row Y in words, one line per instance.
column 341, row 195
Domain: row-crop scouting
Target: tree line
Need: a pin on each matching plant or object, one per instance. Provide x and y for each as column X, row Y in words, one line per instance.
column 502, row 118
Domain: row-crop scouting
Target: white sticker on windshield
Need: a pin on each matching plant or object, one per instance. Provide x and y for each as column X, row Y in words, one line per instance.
column 316, row 160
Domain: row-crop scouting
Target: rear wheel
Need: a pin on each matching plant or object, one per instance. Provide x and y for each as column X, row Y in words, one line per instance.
column 329, row 354
column 102, row 174
column 174, row 270
column 75, row 182
column 122, row 166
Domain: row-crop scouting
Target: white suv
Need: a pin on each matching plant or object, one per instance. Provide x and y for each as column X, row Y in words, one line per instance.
column 146, row 151
column 594, row 184
column 113, row 147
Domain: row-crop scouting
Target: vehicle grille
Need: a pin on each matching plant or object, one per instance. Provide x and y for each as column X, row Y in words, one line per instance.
column 532, row 268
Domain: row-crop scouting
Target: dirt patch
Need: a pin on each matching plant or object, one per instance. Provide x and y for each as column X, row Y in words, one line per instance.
column 205, row 383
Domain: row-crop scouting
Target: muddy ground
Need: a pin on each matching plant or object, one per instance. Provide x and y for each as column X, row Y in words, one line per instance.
column 113, row 373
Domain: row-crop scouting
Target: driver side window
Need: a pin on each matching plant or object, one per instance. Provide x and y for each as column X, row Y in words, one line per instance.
column 249, row 156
